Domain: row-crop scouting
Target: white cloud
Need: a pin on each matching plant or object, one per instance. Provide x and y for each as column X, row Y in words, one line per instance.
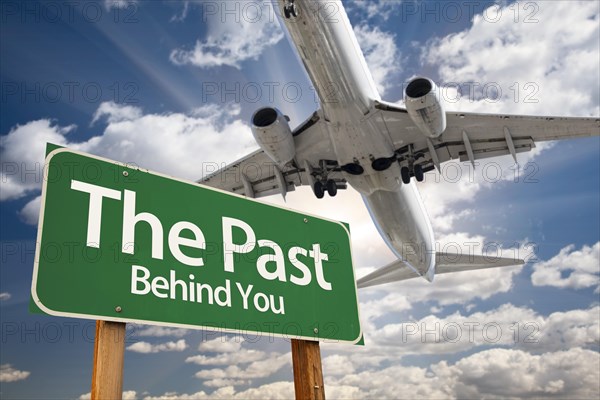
column 562, row 69
column 4, row 296
column 391, row 302
column 145, row 347
column 573, row 374
column 22, row 155
column 234, row 39
column 367, row 9
column 127, row 395
column 507, row 325
column 116, row 112
column 158, row 331
column 270, row 391
column 31, row 212
column 337, row 365
column 563, row 330
column 182, row 15
column 494, row 373
column 9, row 374
column 460, row 287
column 224, row 382
column 255, row 370
column 570, row 268
column 242, row 356
column 223, row 344
column 381, row 54
column 119, row 4
column 176, row 144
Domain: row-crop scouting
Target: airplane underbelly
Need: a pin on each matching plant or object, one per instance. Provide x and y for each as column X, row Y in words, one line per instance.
column 358, row 141
column 403, row 224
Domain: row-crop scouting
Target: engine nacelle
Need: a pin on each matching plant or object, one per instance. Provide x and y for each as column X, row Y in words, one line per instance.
column 273, row 134
column 423, row 103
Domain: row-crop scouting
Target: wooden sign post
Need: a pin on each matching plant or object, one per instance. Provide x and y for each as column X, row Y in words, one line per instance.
column 109, row 350
column 308, row 372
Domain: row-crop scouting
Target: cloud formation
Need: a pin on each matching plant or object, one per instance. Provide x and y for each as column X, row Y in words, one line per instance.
column 158, row 331
column 381, row 53
column 181, row 145
column 243, row 32
column 9, row 374
column 260, row 369
column 146, row 348
column 570, row 268
column 492, row 374
column 562, row 69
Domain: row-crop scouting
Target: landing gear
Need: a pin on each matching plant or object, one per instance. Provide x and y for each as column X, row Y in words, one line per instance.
column 331, row 188
column 319, row 190
column 290, row 10
column 408, row 158
column 405, row 173
column 418, row 171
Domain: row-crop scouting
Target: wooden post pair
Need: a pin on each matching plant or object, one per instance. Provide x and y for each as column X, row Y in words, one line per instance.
column 109, row 349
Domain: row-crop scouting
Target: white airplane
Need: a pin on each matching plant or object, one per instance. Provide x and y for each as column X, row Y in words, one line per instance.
column 375, row 146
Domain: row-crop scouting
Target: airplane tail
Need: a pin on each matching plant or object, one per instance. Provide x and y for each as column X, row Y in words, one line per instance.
column 444, row 263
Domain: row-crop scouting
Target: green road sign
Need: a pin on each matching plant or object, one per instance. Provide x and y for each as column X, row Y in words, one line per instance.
column 124, row 244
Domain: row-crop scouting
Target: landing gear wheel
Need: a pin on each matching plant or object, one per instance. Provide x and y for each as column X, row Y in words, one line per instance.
column 290, row 11
column 405, row 173
column 319, row 190
column 419, row 173
column 331, row 188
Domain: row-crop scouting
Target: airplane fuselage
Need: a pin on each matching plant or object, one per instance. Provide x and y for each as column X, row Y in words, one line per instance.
column 329, row 50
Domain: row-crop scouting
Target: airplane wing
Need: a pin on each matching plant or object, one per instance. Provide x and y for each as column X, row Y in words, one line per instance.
column 256, row 175
column 444, row 263
column 472, row 136
column 468, row 137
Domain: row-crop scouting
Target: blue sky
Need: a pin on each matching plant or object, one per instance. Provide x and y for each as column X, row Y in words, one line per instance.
column 165, row 84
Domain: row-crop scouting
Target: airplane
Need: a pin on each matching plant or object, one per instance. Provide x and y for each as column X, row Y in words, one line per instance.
column 377, row 147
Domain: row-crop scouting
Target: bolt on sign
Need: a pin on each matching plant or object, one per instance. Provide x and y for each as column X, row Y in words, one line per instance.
column 124, row 244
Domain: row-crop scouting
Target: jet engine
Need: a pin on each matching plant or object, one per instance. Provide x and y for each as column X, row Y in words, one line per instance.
column 423, row 103
column 273, row 134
